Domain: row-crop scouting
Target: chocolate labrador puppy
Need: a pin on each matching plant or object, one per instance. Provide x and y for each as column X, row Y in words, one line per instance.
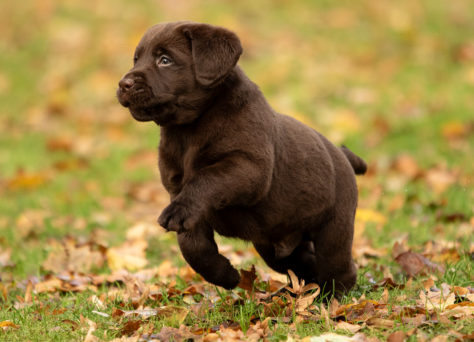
column 234, row 166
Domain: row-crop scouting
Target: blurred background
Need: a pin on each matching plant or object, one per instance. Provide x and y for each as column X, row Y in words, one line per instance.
column 394, row 81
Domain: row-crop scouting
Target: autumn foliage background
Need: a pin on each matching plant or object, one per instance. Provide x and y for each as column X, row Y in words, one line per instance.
column 81, row 256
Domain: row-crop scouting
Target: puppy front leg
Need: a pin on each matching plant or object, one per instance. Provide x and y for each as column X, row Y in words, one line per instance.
column 200, row 251
column 234, row 180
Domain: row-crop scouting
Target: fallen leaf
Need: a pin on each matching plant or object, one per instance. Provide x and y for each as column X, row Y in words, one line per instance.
column 247, row 279
column 49, row 285
column 169, row 334
column 440, row 179
column 59, row 144
column 380, row 322
column 130, row 256
column 26, row 181
column 90, row 337
column 358, row 312
column 8, row 324
column 459, row 310
column 407, row 165
column 367, row 215
column 397, row 336
column 130, row 327
column 436, row 300
column 143, row 231
column 331, row 337
column 69, row 255
column 453, row 130
column 414, row 264
column 352, row 328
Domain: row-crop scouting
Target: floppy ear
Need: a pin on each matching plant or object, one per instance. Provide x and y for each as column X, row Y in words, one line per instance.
column 215, row 52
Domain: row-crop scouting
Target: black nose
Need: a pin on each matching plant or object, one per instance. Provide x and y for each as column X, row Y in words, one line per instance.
column 126, row 83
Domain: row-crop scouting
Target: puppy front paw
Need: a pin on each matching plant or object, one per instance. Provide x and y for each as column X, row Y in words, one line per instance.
column 179, row 217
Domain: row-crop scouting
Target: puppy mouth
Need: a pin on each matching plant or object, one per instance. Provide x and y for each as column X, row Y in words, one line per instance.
column 143, row 104
column 138, row 96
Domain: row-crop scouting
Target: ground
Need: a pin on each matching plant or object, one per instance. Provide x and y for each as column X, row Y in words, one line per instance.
column 81, row 255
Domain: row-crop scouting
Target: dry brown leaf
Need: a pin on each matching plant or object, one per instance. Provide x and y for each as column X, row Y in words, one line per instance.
column 49, row 285
column 400, row 247
column 90, row 337
column 352, row 328
column 5, row 255
column 416, row 321
column 414, row 264
column 130, row 327
column 303, row 302
column 28, row 292
column 385, row 296
column 428, row 283
column 357, row 312
column 68, row 255
column 167, row 270
column 333, row 307
column 143, row 231
column 440, row 179
column 247, row 278
column 397, row 336
column 440, row 338
column 127, row 339
column 258, row 331
column 59, row 144
column 336, row 338
column 176, row 312
column 436, row 300
column 168, row 334
column 459, row 310
column 380, row 322
column 407, row 165
column 130, row 256
column 388, row 283
column 325, row 316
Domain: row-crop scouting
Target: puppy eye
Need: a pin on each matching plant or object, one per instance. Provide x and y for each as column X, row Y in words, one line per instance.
column 164, row 60
column 135, row 59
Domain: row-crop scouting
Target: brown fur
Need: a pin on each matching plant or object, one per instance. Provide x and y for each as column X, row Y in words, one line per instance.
column 232, row 165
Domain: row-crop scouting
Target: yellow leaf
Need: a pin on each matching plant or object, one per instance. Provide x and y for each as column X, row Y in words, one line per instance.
column 454, row 130
column 130, row 256
column 26, row 181
column 8, row 324
column 367, row 215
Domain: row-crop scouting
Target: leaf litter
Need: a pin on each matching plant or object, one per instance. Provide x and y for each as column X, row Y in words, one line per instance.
column 138, row 296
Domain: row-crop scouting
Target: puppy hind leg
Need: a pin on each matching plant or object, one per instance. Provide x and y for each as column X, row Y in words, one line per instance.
column 337, row 272
column 301, row 261
column 200, row 251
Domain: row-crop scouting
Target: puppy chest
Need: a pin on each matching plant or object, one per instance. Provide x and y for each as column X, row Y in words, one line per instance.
column 177, row 166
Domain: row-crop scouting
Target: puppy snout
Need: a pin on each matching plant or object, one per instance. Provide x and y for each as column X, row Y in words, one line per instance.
column 126, row 84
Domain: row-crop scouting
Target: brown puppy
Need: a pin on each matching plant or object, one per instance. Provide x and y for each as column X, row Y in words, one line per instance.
column 231, row 164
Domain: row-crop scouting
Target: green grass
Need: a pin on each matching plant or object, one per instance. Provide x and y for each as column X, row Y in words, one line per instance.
column 396, row 67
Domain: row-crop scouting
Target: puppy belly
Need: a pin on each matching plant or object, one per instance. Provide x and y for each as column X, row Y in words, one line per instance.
column 238, row 223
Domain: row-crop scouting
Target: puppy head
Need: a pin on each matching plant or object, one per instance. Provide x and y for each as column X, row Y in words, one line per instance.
column 177, row 67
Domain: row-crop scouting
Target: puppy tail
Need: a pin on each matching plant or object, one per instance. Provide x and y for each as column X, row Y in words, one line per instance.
column 359, row 166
